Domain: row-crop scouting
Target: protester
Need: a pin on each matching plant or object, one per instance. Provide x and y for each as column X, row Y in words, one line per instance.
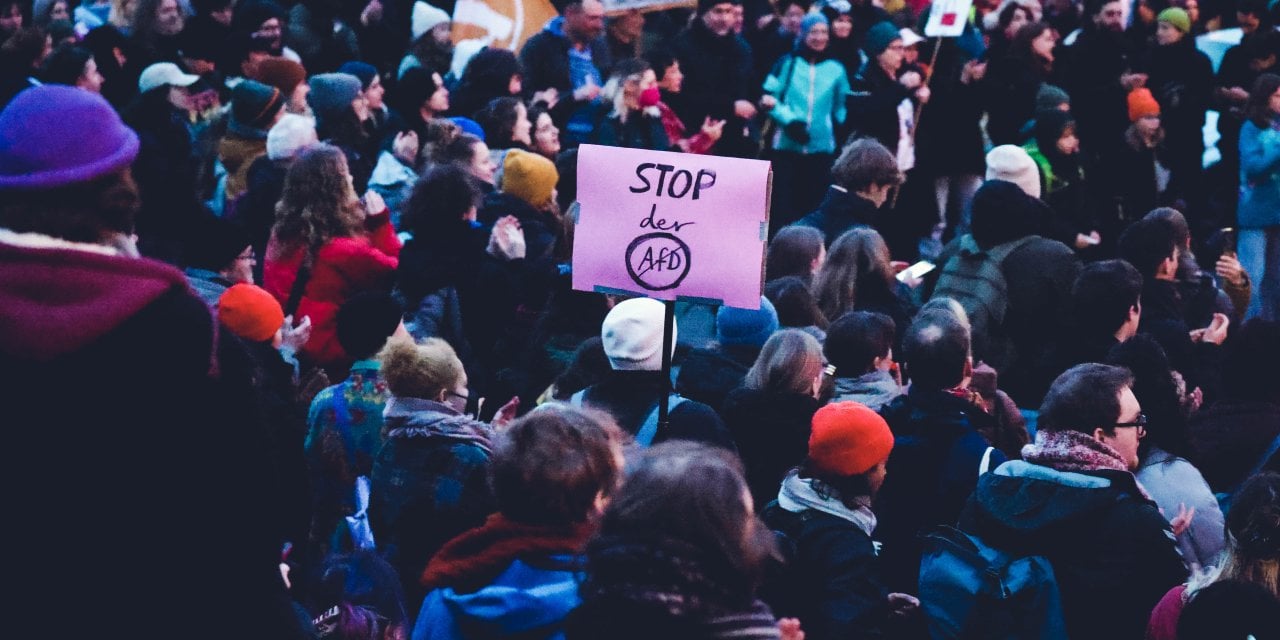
column 630, row 114
column 795, row 251
column 862, row 178
column 860, row 346
column 709, row 374
column 1259, row 240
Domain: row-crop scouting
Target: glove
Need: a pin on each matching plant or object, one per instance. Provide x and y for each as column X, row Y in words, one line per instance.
column 797, row 131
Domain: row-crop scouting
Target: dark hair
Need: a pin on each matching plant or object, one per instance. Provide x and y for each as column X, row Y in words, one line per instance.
column 1020, row 47
column 1230, row 609
column 550, row 465
column 567, row 185
column 1085, row 397
column 693, row 495
column 440, row 198
column 1254, row 518
column 1257, row 109
column 1156, row 390
column 935, row 349
column 856, row 339
column 1005, row 17
column 1146, row 244
column 66, row 64
column 794, row 303
column 487, row 76
column 792, row 252
column 345, row 129
column 587, row 366
column 25, row 46
column 1175, row 220
column 660, row 60
column 1254, row 7
column 365, row 321
column 458, row 150
column 864, row 163
column 498, row 119
column 1103, row 294
column 83, row 212
column 1249, row 369
column 367, row 592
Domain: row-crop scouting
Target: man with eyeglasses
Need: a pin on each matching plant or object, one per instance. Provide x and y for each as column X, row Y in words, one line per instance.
column 220, row 257
column 1074, row 500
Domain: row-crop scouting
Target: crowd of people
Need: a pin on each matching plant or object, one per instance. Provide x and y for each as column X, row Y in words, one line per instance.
column 287, row 311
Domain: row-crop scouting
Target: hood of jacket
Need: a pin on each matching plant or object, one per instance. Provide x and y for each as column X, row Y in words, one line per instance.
column 1021, row 499
column 1003, row 212
column 60, row 297
column 523, row 600
column 874, row 389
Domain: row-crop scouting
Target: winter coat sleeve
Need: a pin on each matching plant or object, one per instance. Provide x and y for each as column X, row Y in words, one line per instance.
column 851, row 600
column 776, row 84
column 382, row 235
column 1259, row 152
column 1203, row 540
column 873, row 111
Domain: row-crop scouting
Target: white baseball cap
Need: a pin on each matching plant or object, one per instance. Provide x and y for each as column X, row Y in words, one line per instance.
column 909, row 38
column 164, row 73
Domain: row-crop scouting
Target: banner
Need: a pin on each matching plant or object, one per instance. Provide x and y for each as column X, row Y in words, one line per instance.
column 947, row 18
column 500, row 23
column 671, row 225
column 615, row 7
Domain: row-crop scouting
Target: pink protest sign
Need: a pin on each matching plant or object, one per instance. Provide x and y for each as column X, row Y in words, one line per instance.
column 671, row 225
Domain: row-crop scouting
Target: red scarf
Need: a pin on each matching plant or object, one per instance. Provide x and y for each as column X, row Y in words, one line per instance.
column 473, row 559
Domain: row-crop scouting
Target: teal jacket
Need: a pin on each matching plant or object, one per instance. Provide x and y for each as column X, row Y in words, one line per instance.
column 1259, row 177
column 810, row 93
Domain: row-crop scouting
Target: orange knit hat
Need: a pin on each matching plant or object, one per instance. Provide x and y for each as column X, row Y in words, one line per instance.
column 848, row 439
column 1142, row 104
column 250, row 312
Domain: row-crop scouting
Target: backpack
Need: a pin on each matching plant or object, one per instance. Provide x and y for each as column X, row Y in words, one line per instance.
column 971, row 590
column 649, row 428
column 975, row 278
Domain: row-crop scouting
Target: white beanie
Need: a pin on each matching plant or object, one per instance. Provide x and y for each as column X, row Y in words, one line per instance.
column 632, row 335
column 1011, row 163
column 290, row 136
column 426, row 17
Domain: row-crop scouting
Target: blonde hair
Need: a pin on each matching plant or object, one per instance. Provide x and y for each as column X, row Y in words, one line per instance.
column 789, row 361
column 614, row 90
column 856, row 259
column 420, row 370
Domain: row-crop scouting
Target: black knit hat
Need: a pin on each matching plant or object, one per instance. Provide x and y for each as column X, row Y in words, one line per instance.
column 706, row 5
column 217, row 244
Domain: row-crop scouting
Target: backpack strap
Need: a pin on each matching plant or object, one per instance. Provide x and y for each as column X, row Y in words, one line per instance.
column 985, row 465
column 300, row 281
column 649, row 429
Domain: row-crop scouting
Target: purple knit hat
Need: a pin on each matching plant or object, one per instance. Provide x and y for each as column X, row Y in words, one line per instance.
column 52, row 136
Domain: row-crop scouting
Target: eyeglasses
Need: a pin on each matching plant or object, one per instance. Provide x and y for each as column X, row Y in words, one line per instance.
column 459, row 395
column 1140, row 423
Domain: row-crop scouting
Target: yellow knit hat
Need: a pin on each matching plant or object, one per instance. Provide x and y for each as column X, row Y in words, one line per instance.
column 529, row 176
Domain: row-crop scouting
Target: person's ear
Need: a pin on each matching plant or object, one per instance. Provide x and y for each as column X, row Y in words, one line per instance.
column 1100, row 434
column 442, row 396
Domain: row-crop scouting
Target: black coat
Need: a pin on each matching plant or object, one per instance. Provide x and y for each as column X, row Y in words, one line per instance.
column 1181, row 79
column 544, row 61
column 1228, row 437
column 1009, row 89
column 640, row 131
column 831, row 581
column 144, row 449
column 1165, row 315
column 1090, row 71
column 629, row 396
column 1112, row 552
column 839, row 212
column 873, row 105
column 771, row 429
column 708, row 375
column 717, row 72
column 949, row 134
column 931, row 471
column 256, row 209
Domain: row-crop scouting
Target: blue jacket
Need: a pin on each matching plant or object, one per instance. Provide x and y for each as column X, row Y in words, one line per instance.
column 525, row 601
column 1259, row 177
column 810, row 93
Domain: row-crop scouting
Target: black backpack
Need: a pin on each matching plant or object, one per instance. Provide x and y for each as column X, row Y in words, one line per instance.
column 974, row 277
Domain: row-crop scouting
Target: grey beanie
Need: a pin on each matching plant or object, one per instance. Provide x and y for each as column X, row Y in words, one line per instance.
column 332, row 93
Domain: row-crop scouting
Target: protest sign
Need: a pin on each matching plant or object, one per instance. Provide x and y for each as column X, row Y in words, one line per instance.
column 615, row 7
column 500, row 23
column 947, row 18
column 671, row 225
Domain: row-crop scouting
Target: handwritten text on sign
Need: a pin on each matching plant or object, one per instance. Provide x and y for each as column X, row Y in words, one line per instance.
column 670, row 225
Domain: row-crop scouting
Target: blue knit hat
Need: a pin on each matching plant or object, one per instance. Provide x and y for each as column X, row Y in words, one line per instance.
column 469, row 126
column 879, row 38
column 53, row 136
column 810, row 21
column 746, row 326
column 363, row 70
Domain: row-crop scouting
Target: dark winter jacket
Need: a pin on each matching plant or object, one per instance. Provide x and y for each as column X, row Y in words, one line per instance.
column 1228, row 437
column 708, row 375
column 832, row 579
column 873, row 105
column 934, row 466
column 1180, row 77
column 1131, row 167
column 1165, row 315
column 640, row 131
column 165, row 171
column 771, row 430
column 1113, row 553
column 544, row 60
column 142, row 404
column 429, row 483
column 1009, row 90
column 256, row 209
column 949, row 134
column 1090, row 71
column 629, row 396
column 717, row 72
column 839, row 212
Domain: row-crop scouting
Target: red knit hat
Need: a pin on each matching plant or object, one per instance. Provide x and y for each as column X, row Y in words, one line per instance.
column 250, row 312
column 1142, row 104
column 281, row 73
column 848, row 439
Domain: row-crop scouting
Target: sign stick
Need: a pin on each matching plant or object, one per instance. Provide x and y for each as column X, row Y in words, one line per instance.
column 668, row 331
column 915, row 125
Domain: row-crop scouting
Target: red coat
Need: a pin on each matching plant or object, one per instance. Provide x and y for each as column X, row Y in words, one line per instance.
column 343, row 268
